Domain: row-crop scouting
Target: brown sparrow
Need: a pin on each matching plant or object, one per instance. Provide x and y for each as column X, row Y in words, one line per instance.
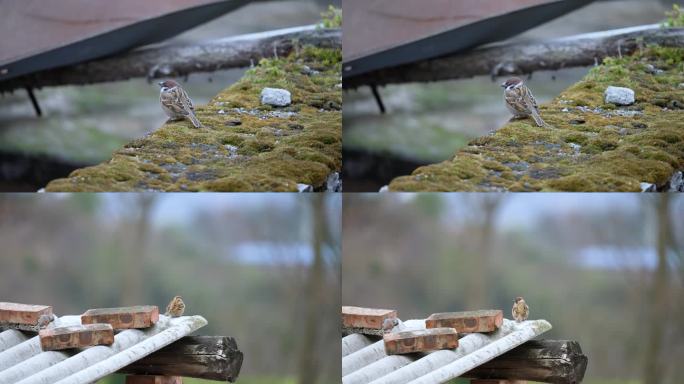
column 176, row 102
column 176, row 307
column 389, row 324
column 520, row 309
column 520, row 101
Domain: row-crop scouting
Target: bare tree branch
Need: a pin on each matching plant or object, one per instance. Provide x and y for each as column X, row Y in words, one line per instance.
column 174, row 61
column 524, row 58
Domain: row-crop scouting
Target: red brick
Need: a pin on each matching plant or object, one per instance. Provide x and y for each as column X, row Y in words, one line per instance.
column 143, row 379
column 76, row 336
column 467, row 322
column 357, row 317
column 142, row 316
column 420, row 340
column 25, row 314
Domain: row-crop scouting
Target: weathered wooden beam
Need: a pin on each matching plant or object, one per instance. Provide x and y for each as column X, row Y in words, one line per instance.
column 202, row 357
column 181, row 60
column 546, row 361
column 525, row 58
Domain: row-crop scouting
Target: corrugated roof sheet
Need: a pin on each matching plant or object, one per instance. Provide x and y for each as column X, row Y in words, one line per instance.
column 22, row 361
column 364, row 359
column 406, row 31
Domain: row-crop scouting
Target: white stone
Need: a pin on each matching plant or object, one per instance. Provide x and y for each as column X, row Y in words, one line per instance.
column 647, row 187
column 304, row 187
column 276, row 97
column 619, row 95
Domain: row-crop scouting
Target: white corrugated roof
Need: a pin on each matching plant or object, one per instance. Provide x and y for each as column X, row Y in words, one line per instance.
column 364, row 359
column 23, row 362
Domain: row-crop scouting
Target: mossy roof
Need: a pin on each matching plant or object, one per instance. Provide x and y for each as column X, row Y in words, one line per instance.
column 244, row 146
column 588, row 146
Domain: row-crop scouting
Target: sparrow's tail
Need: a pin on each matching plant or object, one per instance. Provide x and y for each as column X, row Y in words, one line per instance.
column 538, row 119
column 194, row 120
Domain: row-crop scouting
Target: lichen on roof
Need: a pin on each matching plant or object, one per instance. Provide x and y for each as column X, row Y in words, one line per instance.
column 244, row 146
column 589, row 145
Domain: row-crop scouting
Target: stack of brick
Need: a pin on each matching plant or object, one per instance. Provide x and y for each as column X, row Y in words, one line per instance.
column 97, row 325
column 442, row 330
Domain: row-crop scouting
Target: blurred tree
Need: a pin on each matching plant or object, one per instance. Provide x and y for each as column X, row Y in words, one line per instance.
column 481, row 278
column 309, row 363
column 134, row 258
column 659, row 298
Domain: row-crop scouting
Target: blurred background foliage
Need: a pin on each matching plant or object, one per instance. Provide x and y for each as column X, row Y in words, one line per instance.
column 261, row 268
column 605, row 269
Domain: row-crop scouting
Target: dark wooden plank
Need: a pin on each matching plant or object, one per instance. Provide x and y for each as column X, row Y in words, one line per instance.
column 202, row 357
column 145, row 379
column 546, row 361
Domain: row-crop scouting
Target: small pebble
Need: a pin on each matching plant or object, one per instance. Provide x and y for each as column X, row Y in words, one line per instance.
column 221, row 112
column 233, row 123
column 653, row 70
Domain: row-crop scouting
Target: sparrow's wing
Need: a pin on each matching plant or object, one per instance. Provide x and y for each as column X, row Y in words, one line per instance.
column 515, row 99
column 185, row 100
column 171, row 101
column 529, row 99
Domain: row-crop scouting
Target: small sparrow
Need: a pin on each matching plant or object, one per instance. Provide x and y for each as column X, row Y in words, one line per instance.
column 176, row 102
column 176, row 307
column 520, row 101
column 520, row 309
column 44, row 321
column 389, row 324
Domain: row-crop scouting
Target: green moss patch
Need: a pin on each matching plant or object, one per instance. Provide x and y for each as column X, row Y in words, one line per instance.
column 244, row 146
column 588, row 145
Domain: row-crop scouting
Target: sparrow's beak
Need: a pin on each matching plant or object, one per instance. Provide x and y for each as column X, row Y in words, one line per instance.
column 161, row 83
column 503, row 85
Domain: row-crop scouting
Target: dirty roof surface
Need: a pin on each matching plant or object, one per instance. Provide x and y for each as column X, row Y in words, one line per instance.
column 22, row 360
column 407, row 31
column 364, row 359
column 49, row 34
